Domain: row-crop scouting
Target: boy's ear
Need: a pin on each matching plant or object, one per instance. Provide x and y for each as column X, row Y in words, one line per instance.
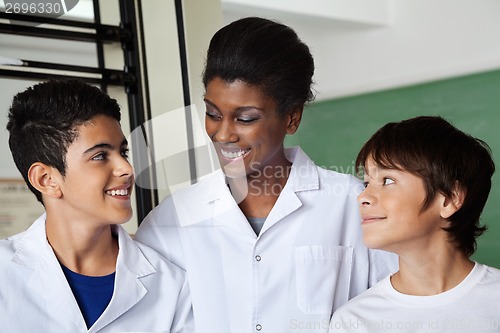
column 294, row 118
column 453, row 203
column 45, row 179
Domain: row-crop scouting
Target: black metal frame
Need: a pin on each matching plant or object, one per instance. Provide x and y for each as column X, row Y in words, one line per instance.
column 185, row 87
column 135, row 94
column 103, row 33
column 130, row 78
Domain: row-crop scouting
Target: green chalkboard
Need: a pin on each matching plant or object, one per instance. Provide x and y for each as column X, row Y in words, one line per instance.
column 332, row 132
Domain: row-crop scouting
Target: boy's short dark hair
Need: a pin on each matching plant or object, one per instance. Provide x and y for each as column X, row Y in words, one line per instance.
column 266, row 54
column 444, row 157
column 43, row 120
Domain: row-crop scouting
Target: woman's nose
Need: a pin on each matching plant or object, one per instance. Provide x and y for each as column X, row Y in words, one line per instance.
column 225, row 132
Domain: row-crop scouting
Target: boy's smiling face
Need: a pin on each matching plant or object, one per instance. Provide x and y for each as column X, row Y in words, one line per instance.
column 391, row 211
column 99, row 179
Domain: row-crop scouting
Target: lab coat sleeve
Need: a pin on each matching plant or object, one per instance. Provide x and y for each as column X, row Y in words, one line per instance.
column 159, row 230
column 148, row 233
column 183, row 320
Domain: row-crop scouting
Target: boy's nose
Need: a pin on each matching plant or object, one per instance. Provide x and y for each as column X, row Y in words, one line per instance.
column 365, row 197
column 123, row 168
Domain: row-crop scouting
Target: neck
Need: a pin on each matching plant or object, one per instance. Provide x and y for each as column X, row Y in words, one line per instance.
column 426, row 275
column 84, row 249
column 257, row 193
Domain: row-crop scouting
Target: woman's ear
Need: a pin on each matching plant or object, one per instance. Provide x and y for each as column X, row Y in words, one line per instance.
column 454, row 202
column 45, row 179
column 294, row 118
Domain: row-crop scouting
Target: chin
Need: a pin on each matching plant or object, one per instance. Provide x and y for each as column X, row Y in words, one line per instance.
column 234, row 172
column 124, row 218
column 373, row 243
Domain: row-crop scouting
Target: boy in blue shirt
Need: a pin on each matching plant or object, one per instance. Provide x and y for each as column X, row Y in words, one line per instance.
column 76, row 269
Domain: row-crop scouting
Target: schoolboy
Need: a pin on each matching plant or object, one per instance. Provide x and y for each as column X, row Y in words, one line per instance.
column 426, row 183
column 76, row 269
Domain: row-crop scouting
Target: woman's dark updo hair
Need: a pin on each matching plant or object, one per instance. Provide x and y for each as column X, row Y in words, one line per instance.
column 266, row 54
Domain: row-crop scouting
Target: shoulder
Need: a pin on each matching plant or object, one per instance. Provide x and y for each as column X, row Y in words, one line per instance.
column 374, row 297
column 10, row 245
column 491, row 276
column 333, row 183
column 329, row 181
column 338, row 177
column 185, row 206
column 190, row 195
column 141, row 257
column 161, row 264
column 7, row 250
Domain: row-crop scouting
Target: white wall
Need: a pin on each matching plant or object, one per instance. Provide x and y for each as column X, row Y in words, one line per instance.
column 424, row 40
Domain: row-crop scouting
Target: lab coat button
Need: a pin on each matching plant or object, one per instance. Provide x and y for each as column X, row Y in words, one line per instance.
column 258, row 258
column 258, row 327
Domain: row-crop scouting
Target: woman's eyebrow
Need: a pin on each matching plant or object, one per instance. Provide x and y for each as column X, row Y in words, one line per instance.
column 240, row 108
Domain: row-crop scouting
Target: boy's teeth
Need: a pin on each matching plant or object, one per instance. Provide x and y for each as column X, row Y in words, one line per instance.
column 117, row 192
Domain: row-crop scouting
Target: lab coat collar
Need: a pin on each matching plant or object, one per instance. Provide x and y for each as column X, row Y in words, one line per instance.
column 303, row 177
column 131, row 266
column 47, row 279
column 44, row 274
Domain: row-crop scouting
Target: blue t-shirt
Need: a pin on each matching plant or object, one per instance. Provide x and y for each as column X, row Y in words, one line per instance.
column 92, row 293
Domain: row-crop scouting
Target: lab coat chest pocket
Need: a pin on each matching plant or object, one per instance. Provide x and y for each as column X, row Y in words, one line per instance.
column 323, row 275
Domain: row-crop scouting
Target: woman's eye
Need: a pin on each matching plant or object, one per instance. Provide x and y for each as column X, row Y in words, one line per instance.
column 212, row 115
column 388, row 181
column 365, row 184
column 246, row 120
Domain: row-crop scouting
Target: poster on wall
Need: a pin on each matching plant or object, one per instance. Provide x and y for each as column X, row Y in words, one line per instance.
column 18, row 207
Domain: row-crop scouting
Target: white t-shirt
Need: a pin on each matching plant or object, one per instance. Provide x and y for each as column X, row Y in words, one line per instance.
column 473, row 306
column 307, row 260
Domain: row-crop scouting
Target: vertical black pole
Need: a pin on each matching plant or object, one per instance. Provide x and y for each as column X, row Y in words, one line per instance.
column 185, row 87
column 98, row 44
column 135, row 97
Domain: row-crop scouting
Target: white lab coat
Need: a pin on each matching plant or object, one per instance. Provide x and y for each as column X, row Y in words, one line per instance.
column 307, row 261
column 150, row 294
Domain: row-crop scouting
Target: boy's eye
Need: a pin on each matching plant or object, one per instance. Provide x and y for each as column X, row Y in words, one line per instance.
column 388, row 181
column 365, row 184
column 125, row 152
column 99, row 157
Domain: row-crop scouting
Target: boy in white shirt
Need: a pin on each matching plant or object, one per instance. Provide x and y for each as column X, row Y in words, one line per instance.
column 76, row 269
column 426, row 183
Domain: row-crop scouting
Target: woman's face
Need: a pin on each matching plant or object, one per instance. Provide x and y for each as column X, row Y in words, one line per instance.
column 245, row 127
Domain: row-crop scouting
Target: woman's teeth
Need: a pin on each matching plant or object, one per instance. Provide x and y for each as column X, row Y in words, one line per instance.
column 232, row 155
column 117, row 192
